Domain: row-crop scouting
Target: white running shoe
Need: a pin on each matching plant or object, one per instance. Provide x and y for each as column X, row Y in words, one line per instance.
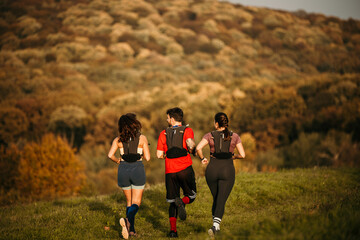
column 124, row 223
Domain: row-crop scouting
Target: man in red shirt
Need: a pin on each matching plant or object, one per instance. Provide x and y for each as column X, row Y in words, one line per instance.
column 174, row 144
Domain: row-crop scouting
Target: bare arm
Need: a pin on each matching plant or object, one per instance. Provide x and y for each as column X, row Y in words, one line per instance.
column 241, row 151
column 190, row 143
column 112, row 151
column 199, row 148
column 160, row 154
column 146, row 150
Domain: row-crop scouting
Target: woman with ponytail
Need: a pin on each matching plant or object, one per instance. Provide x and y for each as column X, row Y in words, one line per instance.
column 220, row 172
column 131, row 173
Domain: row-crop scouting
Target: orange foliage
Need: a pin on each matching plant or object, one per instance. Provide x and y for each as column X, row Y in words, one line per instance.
column 49, row 169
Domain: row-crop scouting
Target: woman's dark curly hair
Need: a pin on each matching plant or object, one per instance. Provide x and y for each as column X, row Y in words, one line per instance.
column 129, row 127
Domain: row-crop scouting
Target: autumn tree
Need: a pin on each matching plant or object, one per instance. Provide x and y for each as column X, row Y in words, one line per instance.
column 13, row 123
column 9, row 161
column 269, row 115
column 70, row 121
column 49, row 169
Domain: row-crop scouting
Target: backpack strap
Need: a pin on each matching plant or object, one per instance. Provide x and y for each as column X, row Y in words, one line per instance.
column 222, row 146
column 174, row 142
column 130, row 149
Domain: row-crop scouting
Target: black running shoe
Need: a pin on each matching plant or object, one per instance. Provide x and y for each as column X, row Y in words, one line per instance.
column 173, row 234
column 181, row 208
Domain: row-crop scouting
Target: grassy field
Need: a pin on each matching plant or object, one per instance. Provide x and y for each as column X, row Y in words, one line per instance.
column 293, row 204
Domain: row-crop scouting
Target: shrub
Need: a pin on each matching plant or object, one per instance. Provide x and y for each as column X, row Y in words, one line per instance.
column 31, row 57
column 49, row 169
column 9, row 41
column 13, row 124
column 105, row 128
column 248, row 164
column 95, row 156
column 8, row 90
column 37, row 115
column 70, row 121
column 209, row 48
column 9, row 162
column 302, row 152
column 27, row 26
column 10, row 60
column 124, row 17
column 269, row 160
column 175, row 49
column 122, row 51
column 75, row 52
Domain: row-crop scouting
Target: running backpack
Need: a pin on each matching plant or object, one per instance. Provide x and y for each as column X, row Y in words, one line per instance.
column 222, row 146
column 174, row 142
column 130, row 150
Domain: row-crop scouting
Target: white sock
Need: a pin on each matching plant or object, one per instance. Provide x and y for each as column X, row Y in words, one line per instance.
column 216, row 223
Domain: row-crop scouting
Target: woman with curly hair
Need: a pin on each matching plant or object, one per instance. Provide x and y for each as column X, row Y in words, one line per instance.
column 131, row 173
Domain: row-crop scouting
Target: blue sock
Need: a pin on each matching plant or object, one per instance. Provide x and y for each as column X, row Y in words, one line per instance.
column 131, row 216
column 127, row 212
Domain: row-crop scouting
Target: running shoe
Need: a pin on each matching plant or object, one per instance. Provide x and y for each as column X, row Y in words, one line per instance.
column 181, row 208
column 124, row 223
column 212, row 231
column 173, row 234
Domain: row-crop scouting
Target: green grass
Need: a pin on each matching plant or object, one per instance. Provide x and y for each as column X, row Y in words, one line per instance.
column 293, row 204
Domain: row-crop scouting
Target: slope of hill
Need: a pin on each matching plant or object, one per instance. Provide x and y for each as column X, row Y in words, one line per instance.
column 288, row 81
column 296, row 204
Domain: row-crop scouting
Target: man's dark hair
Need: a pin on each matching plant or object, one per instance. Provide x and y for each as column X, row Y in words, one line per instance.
column 175, row 113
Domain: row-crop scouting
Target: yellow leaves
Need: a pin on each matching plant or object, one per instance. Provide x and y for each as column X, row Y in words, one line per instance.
column 174, row 49
column 28, row 26
column 211, row 26
column 122, row 51
column 49, row 169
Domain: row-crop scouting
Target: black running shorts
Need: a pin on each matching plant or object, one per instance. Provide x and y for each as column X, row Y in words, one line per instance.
column 185, row 179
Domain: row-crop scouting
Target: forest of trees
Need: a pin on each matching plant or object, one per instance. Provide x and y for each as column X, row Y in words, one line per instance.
column 289, row 82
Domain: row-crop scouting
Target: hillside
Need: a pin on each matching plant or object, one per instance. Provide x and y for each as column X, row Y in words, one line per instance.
column 289, row 81
column 296, row 204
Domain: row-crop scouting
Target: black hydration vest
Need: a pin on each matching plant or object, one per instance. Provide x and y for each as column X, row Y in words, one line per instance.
column 222, row 146
column 174, row 142
column 130, row 150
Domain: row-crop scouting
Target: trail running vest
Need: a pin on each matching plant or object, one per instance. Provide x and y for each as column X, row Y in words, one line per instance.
column 222, row 146
column 174, row 142
column 130, row 149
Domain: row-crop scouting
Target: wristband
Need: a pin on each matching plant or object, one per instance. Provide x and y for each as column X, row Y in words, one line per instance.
column 202, row 158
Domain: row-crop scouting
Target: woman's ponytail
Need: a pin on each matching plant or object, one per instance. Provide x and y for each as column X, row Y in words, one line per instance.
column 223, row 121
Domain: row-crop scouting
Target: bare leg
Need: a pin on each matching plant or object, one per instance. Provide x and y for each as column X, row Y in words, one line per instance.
column 136, row 196
column 128, row 197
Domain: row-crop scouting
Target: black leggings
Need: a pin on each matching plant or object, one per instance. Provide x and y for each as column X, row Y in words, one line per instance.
column 220, row 177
